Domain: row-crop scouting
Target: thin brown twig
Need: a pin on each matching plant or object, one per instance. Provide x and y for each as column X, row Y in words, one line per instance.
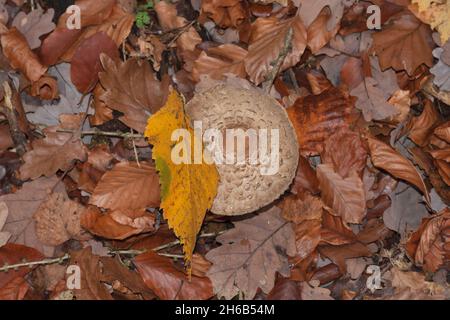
column 118, row 134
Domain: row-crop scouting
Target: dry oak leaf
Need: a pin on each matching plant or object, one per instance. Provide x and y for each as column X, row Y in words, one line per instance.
column 58, row 220
column 404, row 44
column 34, row 25
column 312, row 291
column 169, row 283
column 251, row 254
column 56, row 151
column 20, row 57
column 11, row 282
column 268, row 38
column 436, row 13
column 218, row 61
column 345, row 196
column 429, row 246
column 92, row 287
column 117, row 224
column 187, row 189
column 22, row 205
column 169, row 20
column 441, row 71
column 128, row 186
column 385, row 157
column 132, row 88
column 317, row 117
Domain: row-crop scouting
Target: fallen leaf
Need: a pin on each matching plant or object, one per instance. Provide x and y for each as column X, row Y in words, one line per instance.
column 34, row 25
column 132, row 88
column 334, row 231
column 267, row 40
column 441, row 71
column 285, row 289
column 309, row 10
column 345, row 196
column 16, row 50
column 297, row 209
column 317, row 117
column 167, row 282
column 264, row 240
column 402, row 31
column 422, row 127
column 4, row 235
column 187, row 190
column 225, row 14
column 312, row 291
column 386, row 158
column 339, row 254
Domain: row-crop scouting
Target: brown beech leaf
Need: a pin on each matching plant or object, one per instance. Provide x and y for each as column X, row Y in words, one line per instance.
column 317, row 117
column 92, row 12
column 58, row 220
column 225, row 14
column 86, row 63
column 128, row 186
column 118, row 224
column 21, row 206
column 57, row 43
column 34, row 25
column 334, row 231
column 297, row 209
column 169, row 20
column 305, row 178
column 309, row 10
column 346, row 152
column 169, row 283
column 430, row 244
column 307, row 237
column 264, row 240
column 338, row 254
column 386, row 158
column 285, row 289
column 443, row 131
column 6, row 141
column 16, row 50
column 318, row 33
column 421, row 127
column 218, row 61
column 102, row 112
column 345, row 195
column 132, row 88
column 11, row 282
column 404, row 44
column 267, row 40
column 90, row 270
column 54, row 152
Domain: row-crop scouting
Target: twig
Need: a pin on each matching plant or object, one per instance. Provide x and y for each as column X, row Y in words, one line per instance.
column 119, row 134
column 182, row 30
column 17, row 135
column 31, row 264
column 293, row 79
column 267, row 84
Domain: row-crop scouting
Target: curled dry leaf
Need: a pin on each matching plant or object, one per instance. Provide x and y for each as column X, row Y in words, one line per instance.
column 408, row 35
column 86, row 60
column 429, row 246
column 46, row 88
column 345, row 195
column 117, row 224
column 305, row 178
column 132, row 88
column 264, row 240
column 339, row 254
column 169, row 20
column 58, row 220
column 34, row 25
column 421, row 127
column 225, row 14
column 317, row 117
column 386, row 158
column 128, row 186
column 168, row 283
column 54, row 152
column 218, row 61
column 20, row 56
column 267, row 40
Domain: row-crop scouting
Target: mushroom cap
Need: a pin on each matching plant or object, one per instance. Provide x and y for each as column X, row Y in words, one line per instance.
column 242, row 187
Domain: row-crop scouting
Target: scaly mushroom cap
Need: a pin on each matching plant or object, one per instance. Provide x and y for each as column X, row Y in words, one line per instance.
column 242, row 187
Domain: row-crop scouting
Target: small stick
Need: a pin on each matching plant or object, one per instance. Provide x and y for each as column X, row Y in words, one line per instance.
column 119, row 134
column 31, row 264
column 267, row 84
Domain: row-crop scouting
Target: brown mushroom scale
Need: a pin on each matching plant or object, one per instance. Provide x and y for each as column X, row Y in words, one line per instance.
column 242, row 187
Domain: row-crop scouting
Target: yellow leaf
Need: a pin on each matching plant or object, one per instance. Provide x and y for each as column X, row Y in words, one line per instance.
column 187, row 189
column 435, row 13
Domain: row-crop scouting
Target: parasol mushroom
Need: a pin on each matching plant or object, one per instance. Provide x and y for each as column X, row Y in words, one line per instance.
column 247, row 186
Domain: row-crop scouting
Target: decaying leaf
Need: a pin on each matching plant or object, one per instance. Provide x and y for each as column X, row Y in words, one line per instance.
column 265, row 240
column 34, row 25
column 4, row 235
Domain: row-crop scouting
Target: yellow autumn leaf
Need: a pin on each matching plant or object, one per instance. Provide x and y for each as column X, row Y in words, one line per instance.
column 436, row 13
column 187, row 189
